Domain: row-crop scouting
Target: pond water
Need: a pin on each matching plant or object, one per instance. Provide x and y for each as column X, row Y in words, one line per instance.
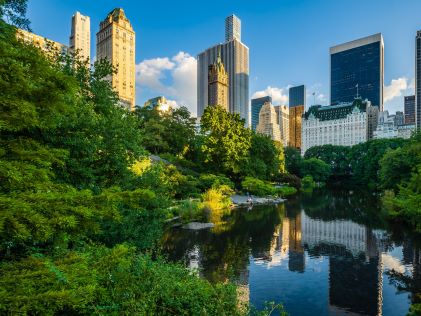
column 319, row 253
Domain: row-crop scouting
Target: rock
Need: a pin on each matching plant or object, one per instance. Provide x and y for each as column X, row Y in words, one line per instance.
column 198, row 226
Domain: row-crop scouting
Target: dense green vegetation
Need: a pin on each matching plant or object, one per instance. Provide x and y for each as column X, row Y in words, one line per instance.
column 83, row 203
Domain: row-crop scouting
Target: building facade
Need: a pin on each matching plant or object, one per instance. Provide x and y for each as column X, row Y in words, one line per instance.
column 116, row 42
column 346, row 124
column 256, row 106
column 218, row 84
column 297, row 96
column 43, row 43
column 391, row 126
column 282, row 114
column 80, row 36
column 418, row 80
column 235, row 57
column 357, row 70
column 295, row 126
column 409, row 109
column 297, row 103
column 268, row 122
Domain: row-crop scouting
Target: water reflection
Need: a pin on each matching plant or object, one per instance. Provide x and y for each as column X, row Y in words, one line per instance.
column 320, row 254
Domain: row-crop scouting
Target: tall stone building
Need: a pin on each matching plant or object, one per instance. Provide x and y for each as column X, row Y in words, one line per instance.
column 235, row 57
column 256, row 106
column 218, row 84
column 116, row 42
column 409, row 109
column 80, row 37
column 268, row 124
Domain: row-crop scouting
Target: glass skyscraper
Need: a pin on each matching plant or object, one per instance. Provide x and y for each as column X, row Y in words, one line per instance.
column 357, row 67
column 256, row 106
column 418, row 80
column 409, row 109
column 297, row 96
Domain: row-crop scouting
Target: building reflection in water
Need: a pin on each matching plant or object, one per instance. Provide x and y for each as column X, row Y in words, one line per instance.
column 276, row 237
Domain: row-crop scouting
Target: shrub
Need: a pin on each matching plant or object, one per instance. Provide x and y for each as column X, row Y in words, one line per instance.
column 286, row 191
column 308, row 183
column 258, row 187
column 209, row 180
column 290, row 179
column 217, row 198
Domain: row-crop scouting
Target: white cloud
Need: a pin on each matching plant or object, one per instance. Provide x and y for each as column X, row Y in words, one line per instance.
column 395, row 89
column 394, row 93
column 173, row 77
column 279, row 95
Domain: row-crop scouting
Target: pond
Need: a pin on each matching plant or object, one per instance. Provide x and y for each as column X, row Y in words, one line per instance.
column 320, row 253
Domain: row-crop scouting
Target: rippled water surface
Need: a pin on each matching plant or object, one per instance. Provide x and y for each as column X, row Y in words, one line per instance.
column 321, row 253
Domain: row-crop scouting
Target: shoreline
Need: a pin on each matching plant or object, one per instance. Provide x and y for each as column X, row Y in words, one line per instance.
column 242, row 200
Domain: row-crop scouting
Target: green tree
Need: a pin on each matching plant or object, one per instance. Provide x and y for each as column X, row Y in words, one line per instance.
column 337, row 157
column 293, row 160
column 226, row 140
column 316, row 168
column 14, row 12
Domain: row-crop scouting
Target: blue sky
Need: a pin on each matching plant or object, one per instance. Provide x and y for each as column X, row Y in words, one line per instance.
column 289, row 40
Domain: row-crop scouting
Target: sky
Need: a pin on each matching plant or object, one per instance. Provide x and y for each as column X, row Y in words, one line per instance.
column 289, row 41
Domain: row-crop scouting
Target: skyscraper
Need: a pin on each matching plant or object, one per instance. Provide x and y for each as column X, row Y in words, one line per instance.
column 46, row 45
column 218, row 84
column 80, row 37
column 297, row 100
column 409, row 109
column 418, row 80
column 268, row 122
column 282, row 112
column 116, row 42
column 235, row 57
column 297, row 96
column 256, row 106
column 357, row 67
column 232, row 28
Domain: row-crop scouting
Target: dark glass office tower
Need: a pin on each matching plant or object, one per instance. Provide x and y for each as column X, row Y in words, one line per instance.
column 357, row 68
column 297, row 96
column 256, row 106
column 418, row 80
column 409, row 109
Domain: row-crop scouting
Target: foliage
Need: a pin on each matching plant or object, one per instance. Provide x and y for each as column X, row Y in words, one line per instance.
column 217, row 198
column 257, row 187
column 308, row 183
column 397, row 165
column 290, row 179
column 14, row 12
column 293, row 161
column 286, row 191
column 208, row 180
column 171, row 131
column 316, row 168
column 226, row 140
column 112, row 281
column 266, row 158
column 337, row 157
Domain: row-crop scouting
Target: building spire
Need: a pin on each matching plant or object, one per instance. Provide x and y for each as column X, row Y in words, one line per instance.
column 218, row 60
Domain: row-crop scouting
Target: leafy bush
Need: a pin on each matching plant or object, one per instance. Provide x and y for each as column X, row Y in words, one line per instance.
column 286, row 191
column 316, row 168
column 209, row 180
column 308, row 183
column 290, row 179
column 217, row 198
column 258, row 187
column 115, row 281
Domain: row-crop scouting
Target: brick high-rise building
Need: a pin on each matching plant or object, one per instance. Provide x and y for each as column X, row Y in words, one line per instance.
column 116, row 42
